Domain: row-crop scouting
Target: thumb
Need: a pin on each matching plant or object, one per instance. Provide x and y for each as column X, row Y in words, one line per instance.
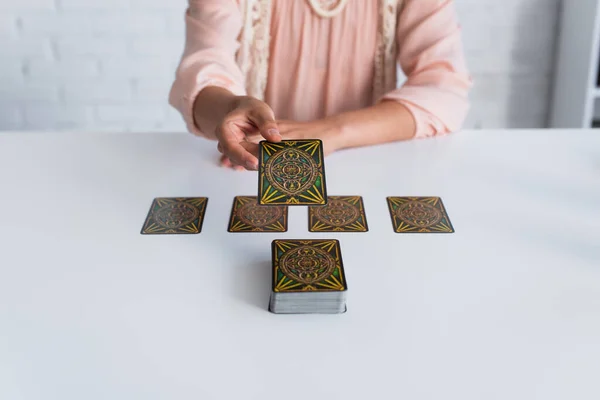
column 263, row 117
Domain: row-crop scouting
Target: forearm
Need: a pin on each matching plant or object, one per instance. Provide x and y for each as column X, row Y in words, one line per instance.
column 388, row 121
column 210, row 107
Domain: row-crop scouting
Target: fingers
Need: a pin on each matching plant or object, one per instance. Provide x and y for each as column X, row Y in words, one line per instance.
column 237, row 134
column 239, row 156
column 251, row 148
column 226, row 163
column 231, row 146
column 263, row 118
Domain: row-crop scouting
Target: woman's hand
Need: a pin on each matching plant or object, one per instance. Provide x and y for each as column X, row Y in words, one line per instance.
column 237, row 134
column 327, row 130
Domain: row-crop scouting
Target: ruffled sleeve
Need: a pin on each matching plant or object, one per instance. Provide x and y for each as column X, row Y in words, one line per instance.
column 212, row 31
column 431, row 55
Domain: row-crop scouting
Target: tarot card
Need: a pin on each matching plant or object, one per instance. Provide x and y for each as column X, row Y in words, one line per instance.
column 291, row 173
column 341, row 214
column 307, row 266
column 175, row 215
column 419, row 215
column 248, row 216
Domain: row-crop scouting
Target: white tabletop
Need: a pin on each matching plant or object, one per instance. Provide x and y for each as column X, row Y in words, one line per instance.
column 508, row 307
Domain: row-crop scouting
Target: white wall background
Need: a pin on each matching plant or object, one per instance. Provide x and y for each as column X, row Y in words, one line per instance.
column 108, row 64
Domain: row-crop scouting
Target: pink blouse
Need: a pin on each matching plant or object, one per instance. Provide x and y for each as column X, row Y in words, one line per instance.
column 323, row 66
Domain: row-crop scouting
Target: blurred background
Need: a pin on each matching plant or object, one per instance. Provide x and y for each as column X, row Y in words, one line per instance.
column 107, row 65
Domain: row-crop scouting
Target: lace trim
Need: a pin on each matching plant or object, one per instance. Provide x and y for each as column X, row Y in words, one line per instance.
column 327, row 8
column 245, row 39
column 328, row 4
column 384, row 78
column 253, row 55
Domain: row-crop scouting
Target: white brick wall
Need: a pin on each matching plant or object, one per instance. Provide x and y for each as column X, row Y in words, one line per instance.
column 108, row 64
column 510, row 48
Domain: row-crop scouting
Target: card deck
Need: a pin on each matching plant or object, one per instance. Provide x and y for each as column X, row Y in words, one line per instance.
column 175, row 215
column 308, row 277
column 419, row 215
column 291, row 172
column 341, row 214
column 248, row 216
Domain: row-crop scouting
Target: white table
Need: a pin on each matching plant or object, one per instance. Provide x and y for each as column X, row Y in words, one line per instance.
column 508, row 307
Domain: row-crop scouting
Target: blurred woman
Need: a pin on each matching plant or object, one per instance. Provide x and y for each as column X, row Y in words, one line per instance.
column 322, row 69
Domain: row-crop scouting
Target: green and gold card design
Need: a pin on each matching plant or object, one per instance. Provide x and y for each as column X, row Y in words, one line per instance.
column 419, row 215
column 249, row 216
column 308, row 265
column 341, row 214
column 175, row 215
column 291, row 172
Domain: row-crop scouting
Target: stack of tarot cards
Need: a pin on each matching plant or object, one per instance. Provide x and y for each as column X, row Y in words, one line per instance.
column 308, row 277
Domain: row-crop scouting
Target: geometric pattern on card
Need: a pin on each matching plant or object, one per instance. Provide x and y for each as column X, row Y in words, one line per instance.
column 419, row 215
column 248, row 216
column 291, row 172
column 307, row 265
column 175, row 216
column 341, row 214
